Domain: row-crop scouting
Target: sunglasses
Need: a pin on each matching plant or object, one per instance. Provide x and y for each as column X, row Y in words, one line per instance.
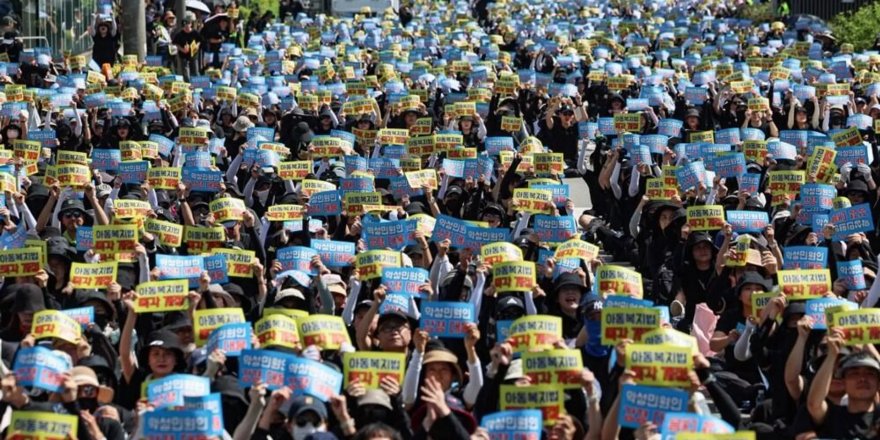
column 72, row 214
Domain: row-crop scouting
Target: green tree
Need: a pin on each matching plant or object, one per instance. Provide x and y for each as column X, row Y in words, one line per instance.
column 858, row 27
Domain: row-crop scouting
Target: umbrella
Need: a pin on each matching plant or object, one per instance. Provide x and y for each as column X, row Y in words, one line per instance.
column 216, row 16
column 197, row 6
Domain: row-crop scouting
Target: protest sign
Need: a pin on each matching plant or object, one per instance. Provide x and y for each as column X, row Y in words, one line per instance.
column 532, row 200
column 275, row 330
column 39, row 425
column 92, row 275
column 535, row 332
column 162, row 296
column 816, row 308
column 501, row 252
column 804, row 284
column 171, row 390
column 804, row 257
column 167, row 233
column 561, row 367
column 174, row 267
column 619, row 323
column 325, row 331
column 851, row 274
column 619, row 280
column 371, row 367
column 524, row 424
column 851, row 220
column 514, row 276
column 640, row 404
column 549, row 399
column 389, row 235
column 404, row 280
column 860, row 326
column 21, row 262
column 748, row 221
column 231, row 338
column 370, row 263
column 664, row 365
column 207, row 320
column 683, row 422
column 114, row 239
column 202, row 240
column 239, row 263
column 296, row 258
column 39, row 367
column 446, row 319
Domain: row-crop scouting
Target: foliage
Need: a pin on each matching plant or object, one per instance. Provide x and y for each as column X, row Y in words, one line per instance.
column 857, row 27
column 758, row 13
column 263, row 5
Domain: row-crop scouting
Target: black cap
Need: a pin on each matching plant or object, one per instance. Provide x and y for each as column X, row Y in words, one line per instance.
column 570, row 279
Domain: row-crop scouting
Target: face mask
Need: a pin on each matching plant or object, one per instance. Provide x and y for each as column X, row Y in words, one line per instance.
column 112, row 334
column 263, row 196
column 301, row 432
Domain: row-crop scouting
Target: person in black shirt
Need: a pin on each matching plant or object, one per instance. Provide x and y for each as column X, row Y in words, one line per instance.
column 106, row 40
column 860, row 417
column 559, row 130
column 215, row 33
column 189, row 43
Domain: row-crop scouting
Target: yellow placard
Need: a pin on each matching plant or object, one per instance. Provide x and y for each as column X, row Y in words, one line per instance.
column 671, row 336
column 785, row 183
column 239, row 263
column 370, row 263
column 130, row 150
column 535, row 201
column 420, row 146
column 296, row 314
column 162, row 296
column 514, row 276
column 295, row 170
column 281, row 213
column 28, row 151
column 73, row 175
column 707, row 136
column 755, row 151
column 21, row 262
column 577, row 248
column 663, row 365
column 804, row 283
column 847, row 138
column 860, row 326
column 821, row 164
column 554, row 367
column 310, row 186
column 55, row 324
column 326, row 331
column 39, row 425
column 550, row 399
column 207, row 320
column 393, row 136
column 125, row 208
column 65, row 157
column 501, row 252
column 92, row 275
column 619, row 323
column 354, row 202
column 164, row 177
column 628, row 123
column 370, row 367
column 422, row 178
column 656, row 189
column 549, row 164
column 446, row 142
column 620, row 280
column 227, row 209
column 760, row 300
column 422, row 127
column 326, row 146
column 114, row 239
column 461, row 153
column 168, row 233
column 705, row 217
column 426, row 223
column 276, row 330
column 759, row 104
column 535, row 333
column 511, row 123
column 201, row 240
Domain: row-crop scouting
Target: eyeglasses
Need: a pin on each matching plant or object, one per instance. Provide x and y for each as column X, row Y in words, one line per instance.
column 391, row 328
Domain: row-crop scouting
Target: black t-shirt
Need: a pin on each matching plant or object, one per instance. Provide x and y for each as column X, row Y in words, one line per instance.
column 187, row 38
column 747, row 370
column 104, row 48
column 559, row 139
column 842, row 424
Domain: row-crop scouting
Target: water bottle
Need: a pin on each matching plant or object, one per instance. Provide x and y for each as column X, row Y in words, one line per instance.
column 759, row 399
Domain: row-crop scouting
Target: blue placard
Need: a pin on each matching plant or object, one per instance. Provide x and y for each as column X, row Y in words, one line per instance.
column 670, row 127
column 517, row 424
column 476, row 237
column 851, row 220
column 815, row 308
column 446, row 319
column 804, row 257
column 690, row 175
column 497, row 144
column 325, row 203
column 202, row 159
column 798, row 138
column 451, row 228
column 83, row 315
column 356, row 184
column 47, row 138
column 106, row 159
column 854, row 154
column 675, row 422
column 216, row 266
column 39, row 367
column 405, row 280
column 334, row 253
column 728, row 165
column 555, row 229
column 165, row 145
column 383, row 167
column 656, row 143
column 560, row 193
column 728, row 136
column 626, row 301
column 397, row 302
column 170, row 390
column 303, row 376
column 296, row 258
column 394, row 235
column 852, row 274
column 748, row 221
column 83, row 238
column 749, row 183
column 178, row 425
column 641, row 404
column 354, row 163
column 212, row 403
column 134, row 172
column 178, row 267
column 203, row 179
column 818, row 196
column 231, row 338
